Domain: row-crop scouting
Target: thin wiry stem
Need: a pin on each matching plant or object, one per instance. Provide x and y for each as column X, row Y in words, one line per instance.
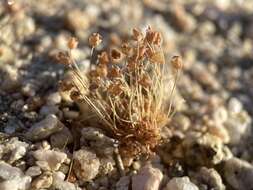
column 172, row 91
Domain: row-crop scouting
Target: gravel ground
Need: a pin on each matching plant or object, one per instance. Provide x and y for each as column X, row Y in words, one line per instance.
column 207, row 145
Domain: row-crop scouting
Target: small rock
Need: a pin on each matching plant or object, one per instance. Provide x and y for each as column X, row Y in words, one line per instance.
column 181, row 19
column 209, row 179
column 7, row 54
column 238, row 173
column 64, row 168
column 204, row 77
column 106, row 166
column 69, row 114
column 238, row 121
column 49, row 109
column 18, row 104
column 123, row 183
column 234, row 106
column 219, row 131
column 54, row 98
column 61, row 138
column 33, row 171
column 10, row 128
column 58, row 176
column 136, row 165
column 45, row 145
column 220, row 115
column 86, row 165
column 11, row 79
column 12, row 178
column 14, row 148
column 148, row 178
column 182, row 122
column 166, row 133
column 43, row 181
column 13, row 125
column 60, row 184
column 180, row 183
column 99, row 142
column 77, row 20
column 9, row 172
column 49, row 159
column 208, row 148
column 44, row 128
column 28, row 89
column 25, row 27
column 207, row 28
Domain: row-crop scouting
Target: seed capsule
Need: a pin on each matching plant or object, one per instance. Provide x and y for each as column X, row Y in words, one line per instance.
column 115, row 54
column 75, row 95
column 177, row 62
column 157, row 57
column 72, row 43
column 63, row 58
column 137, row 35
column 95, row 39
column 103, row 58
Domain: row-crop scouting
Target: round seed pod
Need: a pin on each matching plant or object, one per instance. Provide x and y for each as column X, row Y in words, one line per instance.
column 176, row 62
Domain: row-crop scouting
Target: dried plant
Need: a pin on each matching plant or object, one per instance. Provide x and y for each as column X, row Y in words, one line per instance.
column 126, row 89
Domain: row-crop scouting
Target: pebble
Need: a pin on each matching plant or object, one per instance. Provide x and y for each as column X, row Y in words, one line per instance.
column 182, row 122
column 11, row 79
column 49, row 109
column 11, row 126
column 106, row 166
column 18, row 104
column 209, row 179
column 219, row 131
column 12, row 178
column 77, row 20
column 234, row 106
column 181, row 18
column 14, row 148
column 238, row 121
column 60, row 184
column 69, row 114
column 43, row 181
column 238, row 174
column 64, row 168
column 204, row 77
column 61, row 139
column 86, row 165
column 180, row 183
column 49, row 159
column 25, row 27
column 44, row 145
column 33, row 171
column 209, row 148
column 136, row 165
column 220, row 115
column 54, row 98
column 29, row 89
column 123, row 183
column 44, row 128
column 148, row 178
column 99, row 142
column 7, row 54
